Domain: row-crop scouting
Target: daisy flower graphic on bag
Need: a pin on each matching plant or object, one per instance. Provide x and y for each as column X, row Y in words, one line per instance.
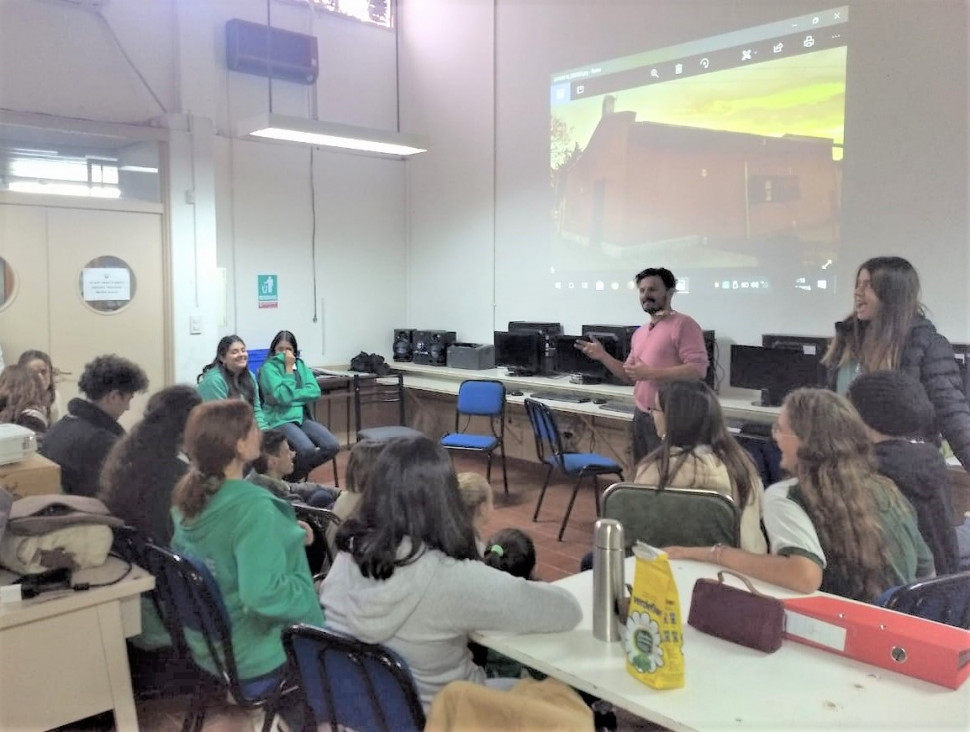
column 643, row 643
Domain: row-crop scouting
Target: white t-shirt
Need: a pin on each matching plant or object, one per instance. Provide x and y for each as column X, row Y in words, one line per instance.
column 790, row 530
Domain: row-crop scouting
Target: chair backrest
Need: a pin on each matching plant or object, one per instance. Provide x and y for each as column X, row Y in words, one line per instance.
column 672, row 516
column 944, row 599
column 371, row 392
column 189, row 592
column 349, row 684
column 545, row 430
column 320, row 520
column 482, row 398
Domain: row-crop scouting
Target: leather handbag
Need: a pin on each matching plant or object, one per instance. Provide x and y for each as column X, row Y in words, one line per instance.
column 744, row 616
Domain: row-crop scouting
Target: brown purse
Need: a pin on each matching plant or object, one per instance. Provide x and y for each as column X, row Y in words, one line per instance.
column 747, row 617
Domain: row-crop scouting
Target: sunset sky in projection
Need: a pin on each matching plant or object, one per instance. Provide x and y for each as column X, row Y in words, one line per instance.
column 799, row 95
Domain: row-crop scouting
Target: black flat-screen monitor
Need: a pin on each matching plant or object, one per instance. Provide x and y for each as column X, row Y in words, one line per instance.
column 775, row 371
column 622, row 333
column 812, row 345
column 547, row 329
column 570, row 360
column 520, row 352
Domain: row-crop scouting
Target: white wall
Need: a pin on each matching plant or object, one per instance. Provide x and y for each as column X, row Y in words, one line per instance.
column 905, row 183
column 244, row 206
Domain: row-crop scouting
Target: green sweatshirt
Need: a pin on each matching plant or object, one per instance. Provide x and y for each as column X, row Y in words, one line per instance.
column 213, row 386
column 286, row 394
column 253, row 546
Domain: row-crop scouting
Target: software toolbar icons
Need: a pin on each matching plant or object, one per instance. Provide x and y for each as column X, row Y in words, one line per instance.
column 654, row 74
column 808, row 42
column 705, row 62
column 745, row 54
column 778, row 47
column 678, row 69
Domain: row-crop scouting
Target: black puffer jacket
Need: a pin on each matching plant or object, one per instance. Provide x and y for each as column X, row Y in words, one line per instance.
column 919, row 472
column 928, row 356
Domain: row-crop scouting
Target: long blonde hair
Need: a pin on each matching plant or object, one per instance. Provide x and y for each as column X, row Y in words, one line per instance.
column 877, row 345
column 838, row 483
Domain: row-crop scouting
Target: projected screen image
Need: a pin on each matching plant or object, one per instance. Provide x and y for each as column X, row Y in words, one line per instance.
column 719, row 158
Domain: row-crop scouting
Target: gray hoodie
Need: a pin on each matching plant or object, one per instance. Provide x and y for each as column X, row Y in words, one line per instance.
column 426, row 610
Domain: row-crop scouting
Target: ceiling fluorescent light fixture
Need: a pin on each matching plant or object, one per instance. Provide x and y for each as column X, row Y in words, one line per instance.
column 329, row 134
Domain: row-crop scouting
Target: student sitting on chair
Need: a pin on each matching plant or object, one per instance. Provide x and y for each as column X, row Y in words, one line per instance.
column 80, row 442
column 287, row 387
column 897, row 414
column 249, row 539
column 408, row 574
column 697, row 451
column 22, row 400
column 360, row 464
column 40, row 363
column 229, row 377
column 275, row 461
column 838, row 525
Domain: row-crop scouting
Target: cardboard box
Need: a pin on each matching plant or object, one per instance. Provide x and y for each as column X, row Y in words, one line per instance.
column 32, row 476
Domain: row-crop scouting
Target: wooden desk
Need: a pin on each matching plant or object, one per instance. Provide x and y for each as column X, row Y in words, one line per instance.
column 63, row 655
column 732, row 687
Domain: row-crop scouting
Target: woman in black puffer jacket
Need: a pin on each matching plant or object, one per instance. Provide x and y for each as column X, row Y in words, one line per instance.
column 888, row 329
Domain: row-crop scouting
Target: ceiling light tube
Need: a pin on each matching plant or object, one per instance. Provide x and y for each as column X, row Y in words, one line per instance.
column 332, row 135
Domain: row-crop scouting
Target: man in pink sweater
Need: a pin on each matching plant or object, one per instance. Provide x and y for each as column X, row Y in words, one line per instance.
column 670, row 347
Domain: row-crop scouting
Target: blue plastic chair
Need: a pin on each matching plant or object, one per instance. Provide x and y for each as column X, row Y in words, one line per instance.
column 574, row 464
column 188, row 591
column 481, row 398
column 347, row 684
column 943, row 599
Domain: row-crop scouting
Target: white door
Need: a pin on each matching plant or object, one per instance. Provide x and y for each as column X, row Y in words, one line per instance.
column 61, row 304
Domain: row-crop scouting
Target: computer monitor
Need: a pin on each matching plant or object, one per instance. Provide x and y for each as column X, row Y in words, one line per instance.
column 622, row 333
column 570, row 360
column 547, row 329
column 812, row 345
column 520, row 352
column 775, row 371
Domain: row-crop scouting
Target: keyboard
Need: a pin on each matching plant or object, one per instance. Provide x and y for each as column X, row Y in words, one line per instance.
column 560, row 396
column 620, row 407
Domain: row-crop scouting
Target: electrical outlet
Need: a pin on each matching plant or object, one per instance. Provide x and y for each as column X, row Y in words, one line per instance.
column 195, row 325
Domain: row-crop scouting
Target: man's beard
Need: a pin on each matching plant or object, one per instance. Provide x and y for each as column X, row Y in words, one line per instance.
column 652, row 308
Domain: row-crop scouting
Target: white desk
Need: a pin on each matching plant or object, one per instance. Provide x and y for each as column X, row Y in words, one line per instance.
column 63, row 655
column 730, row 687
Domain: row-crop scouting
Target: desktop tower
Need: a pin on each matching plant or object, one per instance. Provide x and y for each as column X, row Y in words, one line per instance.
column 402, row 348
column 431, row 346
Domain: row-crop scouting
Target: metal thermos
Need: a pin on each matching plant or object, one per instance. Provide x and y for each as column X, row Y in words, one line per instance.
column 608, row 585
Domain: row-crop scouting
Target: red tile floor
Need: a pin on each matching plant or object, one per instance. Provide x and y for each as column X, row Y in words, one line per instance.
column 555, row 560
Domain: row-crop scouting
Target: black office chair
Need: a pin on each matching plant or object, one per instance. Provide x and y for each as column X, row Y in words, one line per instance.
column 374, row 398
column 348, row 684
column 943, row 599
column 672, row 516
column 550, row 451
column 481, row 398
column 189, row 593
column 318, row 553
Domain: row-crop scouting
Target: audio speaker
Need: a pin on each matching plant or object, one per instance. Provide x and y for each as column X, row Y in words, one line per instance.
column 292, row 56
column 431, row 346
column 402, row 348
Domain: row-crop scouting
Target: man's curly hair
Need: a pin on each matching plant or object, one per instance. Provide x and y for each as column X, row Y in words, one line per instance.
column 106, row 374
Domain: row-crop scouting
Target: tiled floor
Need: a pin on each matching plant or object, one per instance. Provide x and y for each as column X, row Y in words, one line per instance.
column 555, row 560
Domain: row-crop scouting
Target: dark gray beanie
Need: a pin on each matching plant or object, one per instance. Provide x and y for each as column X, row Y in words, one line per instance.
column 893, row 403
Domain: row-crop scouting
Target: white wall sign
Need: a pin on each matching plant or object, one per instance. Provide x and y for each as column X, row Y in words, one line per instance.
column 106, row 283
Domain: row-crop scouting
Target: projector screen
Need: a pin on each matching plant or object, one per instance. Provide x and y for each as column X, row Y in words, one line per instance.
column 720, row 158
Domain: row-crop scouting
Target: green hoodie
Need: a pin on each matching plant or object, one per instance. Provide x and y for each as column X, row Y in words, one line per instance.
column 253, row 546
column 285, row 395
column 213, row 386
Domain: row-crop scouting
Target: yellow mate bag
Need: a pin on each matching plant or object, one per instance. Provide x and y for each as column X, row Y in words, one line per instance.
column 654, row 628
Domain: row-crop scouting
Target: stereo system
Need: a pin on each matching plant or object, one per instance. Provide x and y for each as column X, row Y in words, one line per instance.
column 430, row 347
column 403, row 346
column 474, row 356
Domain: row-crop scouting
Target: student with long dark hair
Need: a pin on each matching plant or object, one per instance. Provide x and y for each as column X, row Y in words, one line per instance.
column 837, row 525
column 697, row 451
column 288, row 386
column 143, row 467
column 40, row 363
column 23, row 400
column 888, row 330
column 248, row 538
column 408, row 574
column 228, row 377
